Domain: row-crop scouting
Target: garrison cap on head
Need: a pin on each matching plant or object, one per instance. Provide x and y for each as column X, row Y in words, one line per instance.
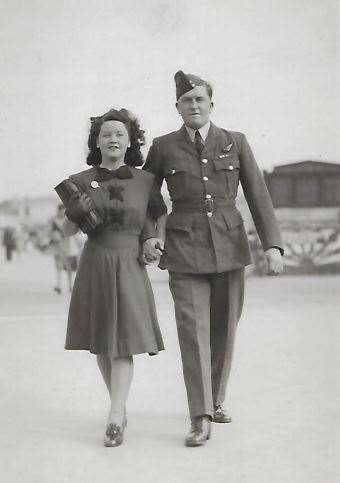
column 186, row 82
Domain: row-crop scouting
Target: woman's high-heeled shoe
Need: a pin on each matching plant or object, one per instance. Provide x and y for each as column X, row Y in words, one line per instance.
column 114, row 435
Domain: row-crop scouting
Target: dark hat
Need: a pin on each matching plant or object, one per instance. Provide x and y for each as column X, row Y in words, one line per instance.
column 186, row 82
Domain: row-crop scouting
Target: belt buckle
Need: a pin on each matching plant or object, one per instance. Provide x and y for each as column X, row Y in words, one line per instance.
column 209, row 205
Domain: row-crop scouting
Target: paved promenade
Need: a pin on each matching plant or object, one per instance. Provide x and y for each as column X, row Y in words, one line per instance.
column 283, row 394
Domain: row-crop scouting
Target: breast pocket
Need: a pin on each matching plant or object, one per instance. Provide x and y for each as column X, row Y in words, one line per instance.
column 177, row 181
column 229, row 168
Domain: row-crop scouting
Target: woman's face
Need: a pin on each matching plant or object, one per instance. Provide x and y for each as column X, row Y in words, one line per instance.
column 113, row 140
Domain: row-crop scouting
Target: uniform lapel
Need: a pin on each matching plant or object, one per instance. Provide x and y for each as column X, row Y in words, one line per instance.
column 184, row 141
column 216, row 141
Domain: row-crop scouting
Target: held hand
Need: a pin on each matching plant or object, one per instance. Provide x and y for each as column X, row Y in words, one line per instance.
column 78, row 207
column 274, row 261
column 152, row 250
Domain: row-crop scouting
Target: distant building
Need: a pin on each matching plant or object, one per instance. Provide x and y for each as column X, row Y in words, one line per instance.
column 306, row 198
column 305, row 184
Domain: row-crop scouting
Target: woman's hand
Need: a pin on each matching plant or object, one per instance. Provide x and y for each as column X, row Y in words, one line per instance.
column 78, row 207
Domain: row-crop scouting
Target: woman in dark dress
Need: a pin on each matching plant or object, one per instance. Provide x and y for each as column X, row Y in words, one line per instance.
column 112, row 312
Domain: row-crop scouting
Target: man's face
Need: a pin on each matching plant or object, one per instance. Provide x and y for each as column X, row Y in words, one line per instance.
column 195, row 107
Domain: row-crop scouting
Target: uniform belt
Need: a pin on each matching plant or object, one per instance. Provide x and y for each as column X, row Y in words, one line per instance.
column 202, row 206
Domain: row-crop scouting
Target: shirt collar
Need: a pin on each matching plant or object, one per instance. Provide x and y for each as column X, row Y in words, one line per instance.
column 202, row 130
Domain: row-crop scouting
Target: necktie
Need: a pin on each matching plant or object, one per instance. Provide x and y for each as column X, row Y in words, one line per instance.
column 199, row 145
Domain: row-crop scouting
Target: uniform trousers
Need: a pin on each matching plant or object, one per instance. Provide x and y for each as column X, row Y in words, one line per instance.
column 207, row 309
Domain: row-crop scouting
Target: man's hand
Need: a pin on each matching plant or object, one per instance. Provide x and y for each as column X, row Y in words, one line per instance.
column 152, row 250
column 274, row 261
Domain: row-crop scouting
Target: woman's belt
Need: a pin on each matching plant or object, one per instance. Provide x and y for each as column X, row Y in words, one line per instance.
column 114, row 239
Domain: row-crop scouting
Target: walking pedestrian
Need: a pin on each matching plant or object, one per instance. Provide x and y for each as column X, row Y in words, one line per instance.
column 206, row 247
column 9, row 242
column 112, row 311
column 60, row 247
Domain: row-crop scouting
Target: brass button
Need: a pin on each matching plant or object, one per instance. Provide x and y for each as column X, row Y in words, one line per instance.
column 173, row 171
column 204, row 161
column 209, row 214
column 231, row 167
column 208, row 197
column 205, row 178
column 94, row 184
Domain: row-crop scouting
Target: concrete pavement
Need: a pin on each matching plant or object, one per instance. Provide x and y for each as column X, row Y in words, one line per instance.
column 282, row 394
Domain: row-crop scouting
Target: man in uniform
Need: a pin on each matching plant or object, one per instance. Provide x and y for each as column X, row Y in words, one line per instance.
column 206, row 247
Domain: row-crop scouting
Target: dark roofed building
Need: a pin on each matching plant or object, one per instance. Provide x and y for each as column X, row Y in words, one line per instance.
column 306, row 197
column 305, row 184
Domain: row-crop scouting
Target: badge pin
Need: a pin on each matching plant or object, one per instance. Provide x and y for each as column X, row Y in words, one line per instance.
column 94, row 184
column 173, row 171
column 223, row 156
column 229, row 146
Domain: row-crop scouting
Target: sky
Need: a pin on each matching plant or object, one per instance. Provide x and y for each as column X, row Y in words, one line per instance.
column 273, row 64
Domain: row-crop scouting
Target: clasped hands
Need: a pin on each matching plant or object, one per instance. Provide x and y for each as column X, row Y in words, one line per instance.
column 152, row 250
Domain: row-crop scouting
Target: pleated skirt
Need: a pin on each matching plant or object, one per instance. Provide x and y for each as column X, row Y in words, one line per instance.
column 112, row 309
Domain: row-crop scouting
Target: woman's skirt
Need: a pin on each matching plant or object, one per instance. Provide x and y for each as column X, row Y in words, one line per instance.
column 112, row 309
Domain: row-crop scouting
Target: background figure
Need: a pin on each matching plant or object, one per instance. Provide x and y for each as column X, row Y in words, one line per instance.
column 9, row 242
column 20, row 235
column 61, row 249
column 76, row 245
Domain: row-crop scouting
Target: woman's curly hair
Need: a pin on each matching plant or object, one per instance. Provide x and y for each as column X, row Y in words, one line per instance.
column 133, row 155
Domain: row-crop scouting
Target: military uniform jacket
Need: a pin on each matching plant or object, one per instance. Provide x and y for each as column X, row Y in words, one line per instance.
column 205, row 231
